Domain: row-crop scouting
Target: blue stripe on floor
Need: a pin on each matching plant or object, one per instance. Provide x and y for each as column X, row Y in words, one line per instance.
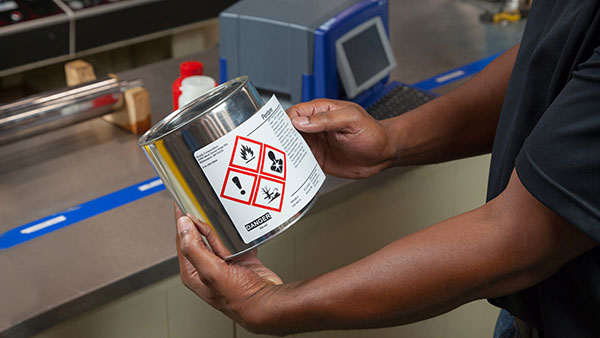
column 454, row 74
column 80, row 212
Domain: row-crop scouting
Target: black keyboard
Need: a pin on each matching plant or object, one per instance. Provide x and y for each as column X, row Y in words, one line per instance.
column 398, row 101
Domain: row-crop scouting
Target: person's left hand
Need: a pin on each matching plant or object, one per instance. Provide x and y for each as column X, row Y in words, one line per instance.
column 238, row 288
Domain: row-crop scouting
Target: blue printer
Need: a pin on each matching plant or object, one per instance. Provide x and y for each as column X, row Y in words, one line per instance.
column 309, row 49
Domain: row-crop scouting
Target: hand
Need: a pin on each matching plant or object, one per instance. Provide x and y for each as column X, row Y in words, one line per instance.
column 238, row 288
column 344, row 138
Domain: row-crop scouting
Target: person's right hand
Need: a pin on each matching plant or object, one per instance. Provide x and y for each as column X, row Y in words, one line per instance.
column 344, row 138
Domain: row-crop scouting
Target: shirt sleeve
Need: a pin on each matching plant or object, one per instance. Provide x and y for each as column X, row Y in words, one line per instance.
column 559, row 163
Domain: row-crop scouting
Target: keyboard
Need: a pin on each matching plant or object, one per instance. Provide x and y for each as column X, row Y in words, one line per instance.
column 399, row 100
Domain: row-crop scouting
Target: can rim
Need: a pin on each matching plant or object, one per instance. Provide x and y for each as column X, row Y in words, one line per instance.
column 153, row 134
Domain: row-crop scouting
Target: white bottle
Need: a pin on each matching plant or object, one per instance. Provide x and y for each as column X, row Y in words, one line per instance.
column 194, row 86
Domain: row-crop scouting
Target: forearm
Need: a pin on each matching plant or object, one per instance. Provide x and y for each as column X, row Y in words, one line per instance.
column 459, row 124
column 488, row 252
column 417, row 277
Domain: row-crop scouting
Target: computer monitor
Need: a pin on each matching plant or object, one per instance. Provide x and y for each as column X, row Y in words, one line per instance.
column 364, row 56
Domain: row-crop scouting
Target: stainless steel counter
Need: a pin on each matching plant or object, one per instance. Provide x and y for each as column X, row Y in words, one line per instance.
column 77, row 268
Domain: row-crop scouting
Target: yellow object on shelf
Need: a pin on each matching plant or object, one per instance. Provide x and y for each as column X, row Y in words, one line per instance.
column 507, row 16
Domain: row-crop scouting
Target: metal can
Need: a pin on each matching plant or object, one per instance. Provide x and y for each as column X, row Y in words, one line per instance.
column 201, row 153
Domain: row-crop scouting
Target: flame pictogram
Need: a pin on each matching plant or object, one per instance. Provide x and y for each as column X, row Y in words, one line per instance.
column 246, row 153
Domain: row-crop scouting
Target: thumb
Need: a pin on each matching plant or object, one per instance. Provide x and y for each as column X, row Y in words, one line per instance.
column 341, row 120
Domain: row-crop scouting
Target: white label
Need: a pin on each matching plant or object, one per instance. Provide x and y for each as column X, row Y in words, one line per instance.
column 263, row 171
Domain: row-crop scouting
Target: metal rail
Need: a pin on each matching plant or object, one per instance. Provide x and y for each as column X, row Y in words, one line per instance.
column 48, row 111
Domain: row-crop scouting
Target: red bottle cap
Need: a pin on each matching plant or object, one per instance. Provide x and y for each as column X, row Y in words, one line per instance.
column 190, row 68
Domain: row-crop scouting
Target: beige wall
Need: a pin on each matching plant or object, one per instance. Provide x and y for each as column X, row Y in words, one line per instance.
column 362, row 221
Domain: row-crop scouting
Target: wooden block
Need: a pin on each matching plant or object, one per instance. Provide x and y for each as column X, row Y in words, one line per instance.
column 135, row 114
column 78, row 72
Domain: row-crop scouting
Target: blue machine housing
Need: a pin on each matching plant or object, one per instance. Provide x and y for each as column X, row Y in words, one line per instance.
column 323, row 82
column 324, row 79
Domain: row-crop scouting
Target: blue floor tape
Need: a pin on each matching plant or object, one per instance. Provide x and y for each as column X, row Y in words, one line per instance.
column 454, row 74
column 135, row 192
column 78, row 213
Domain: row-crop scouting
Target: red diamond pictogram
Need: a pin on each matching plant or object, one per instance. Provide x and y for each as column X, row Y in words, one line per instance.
column 269, row 194
column 274, row 163
column 246, row 154
column 239, row 186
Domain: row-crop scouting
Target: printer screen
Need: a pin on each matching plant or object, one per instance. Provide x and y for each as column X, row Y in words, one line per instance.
column 364, row 57
column 365, row 65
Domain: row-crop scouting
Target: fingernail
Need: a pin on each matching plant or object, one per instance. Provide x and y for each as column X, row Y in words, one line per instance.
column 184, row 224
column 301, row 121
column 274, row 280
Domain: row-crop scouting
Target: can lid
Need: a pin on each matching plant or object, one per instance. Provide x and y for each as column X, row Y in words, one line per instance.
column 193, row 110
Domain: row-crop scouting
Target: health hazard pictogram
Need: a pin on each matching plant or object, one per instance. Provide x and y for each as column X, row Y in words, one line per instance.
column 269, row 194
column 246, row 154
column 256, row 175
column 239, row 186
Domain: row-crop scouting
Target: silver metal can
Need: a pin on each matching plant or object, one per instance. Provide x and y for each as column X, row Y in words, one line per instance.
column 170, row 146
